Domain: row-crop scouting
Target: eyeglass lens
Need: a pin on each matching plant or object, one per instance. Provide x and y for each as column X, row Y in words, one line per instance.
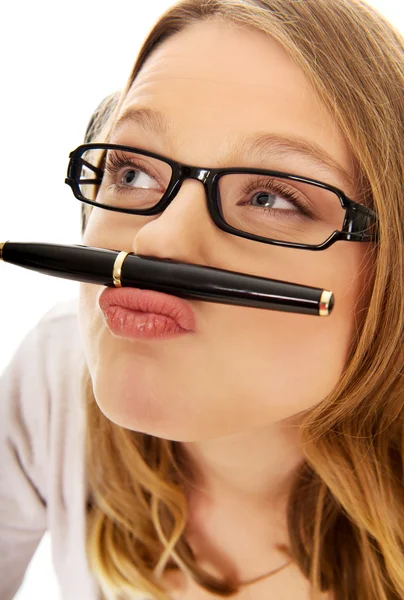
column 270, row 207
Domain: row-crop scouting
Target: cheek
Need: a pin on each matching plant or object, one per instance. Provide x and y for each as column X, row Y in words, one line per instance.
column 108, row 229
column 90, row 323
column 94, row 234
column 280, row 365
column 247, row 367
column 153, row 394
column 244, row 371
column 287, row 362
column 296, row 360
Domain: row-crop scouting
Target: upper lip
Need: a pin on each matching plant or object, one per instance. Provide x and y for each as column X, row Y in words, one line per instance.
column 151, row 302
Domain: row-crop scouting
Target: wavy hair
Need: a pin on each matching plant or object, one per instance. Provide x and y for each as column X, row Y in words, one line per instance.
column 346, row 507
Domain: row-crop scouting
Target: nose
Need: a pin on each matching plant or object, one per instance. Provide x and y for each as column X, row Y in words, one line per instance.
column 183, row 232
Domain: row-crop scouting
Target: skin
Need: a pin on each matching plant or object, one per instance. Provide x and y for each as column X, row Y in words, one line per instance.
column 232, row 391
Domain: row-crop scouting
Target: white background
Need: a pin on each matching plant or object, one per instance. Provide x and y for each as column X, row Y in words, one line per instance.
column 59, row 59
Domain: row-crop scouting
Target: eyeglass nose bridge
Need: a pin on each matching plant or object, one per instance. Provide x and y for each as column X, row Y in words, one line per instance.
column 181, row 173
column 189, row 172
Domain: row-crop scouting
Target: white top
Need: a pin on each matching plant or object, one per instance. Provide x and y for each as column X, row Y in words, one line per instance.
column 42, row 435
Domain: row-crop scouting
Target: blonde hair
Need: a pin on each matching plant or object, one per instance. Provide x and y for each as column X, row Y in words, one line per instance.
column 346, row 508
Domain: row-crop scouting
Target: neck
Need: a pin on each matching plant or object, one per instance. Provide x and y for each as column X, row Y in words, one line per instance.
column 253, row 467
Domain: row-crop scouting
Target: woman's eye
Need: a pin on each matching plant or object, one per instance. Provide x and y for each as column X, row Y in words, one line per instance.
column 267, row 200
column 137, row 179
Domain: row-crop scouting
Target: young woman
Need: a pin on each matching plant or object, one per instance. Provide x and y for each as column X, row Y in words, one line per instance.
column 230, row 451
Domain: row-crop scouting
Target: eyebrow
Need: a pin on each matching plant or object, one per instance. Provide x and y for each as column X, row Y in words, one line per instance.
column 256, row 145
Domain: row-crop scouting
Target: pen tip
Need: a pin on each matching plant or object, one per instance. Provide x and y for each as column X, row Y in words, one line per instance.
column 2, row 244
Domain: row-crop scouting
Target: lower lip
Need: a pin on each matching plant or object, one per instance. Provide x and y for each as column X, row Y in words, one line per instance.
column 141, row 325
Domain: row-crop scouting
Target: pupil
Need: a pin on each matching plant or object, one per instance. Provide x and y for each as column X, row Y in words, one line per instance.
column 129, row 176
column 264, row 199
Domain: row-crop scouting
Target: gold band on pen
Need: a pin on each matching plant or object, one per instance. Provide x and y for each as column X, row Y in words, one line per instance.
column 325, row 303
column 2, row 244
column 117, row 270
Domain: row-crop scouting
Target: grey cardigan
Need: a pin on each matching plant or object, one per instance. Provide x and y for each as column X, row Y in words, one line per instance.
column 42, row 475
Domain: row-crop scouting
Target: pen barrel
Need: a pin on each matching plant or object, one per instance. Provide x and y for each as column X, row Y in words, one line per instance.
column 228, row 287
column 73, row 262
column 111, row 267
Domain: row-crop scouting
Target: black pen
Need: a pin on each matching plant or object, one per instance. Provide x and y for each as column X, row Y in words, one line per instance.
column 114, row 268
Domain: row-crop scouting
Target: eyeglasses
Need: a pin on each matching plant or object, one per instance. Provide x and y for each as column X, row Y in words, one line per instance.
column 271, row 207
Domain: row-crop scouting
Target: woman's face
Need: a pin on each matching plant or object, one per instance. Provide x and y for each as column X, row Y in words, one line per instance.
column 242, row 368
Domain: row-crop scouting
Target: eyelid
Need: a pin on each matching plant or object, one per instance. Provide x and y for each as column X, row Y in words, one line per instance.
column 261, row 144
column 122, row 161
column 263, row 161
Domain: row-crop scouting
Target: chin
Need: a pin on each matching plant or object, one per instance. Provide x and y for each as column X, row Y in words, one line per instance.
column 146, row 410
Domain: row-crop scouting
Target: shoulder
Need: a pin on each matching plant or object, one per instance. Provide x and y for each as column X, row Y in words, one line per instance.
column 52, row 349
column 59, row 351
column 63, row 315
column 40, row 386
column 45, row 367
column 41, row 411
column 51, row 346
column 57, row 334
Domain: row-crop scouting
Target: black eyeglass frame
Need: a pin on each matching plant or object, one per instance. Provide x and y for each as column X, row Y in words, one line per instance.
column 356, row 216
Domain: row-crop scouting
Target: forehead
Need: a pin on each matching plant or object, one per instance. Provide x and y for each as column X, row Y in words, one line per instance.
column 214, row 81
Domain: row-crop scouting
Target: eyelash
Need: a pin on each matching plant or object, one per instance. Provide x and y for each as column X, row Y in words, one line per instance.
column 118, row 161
column 276, row 187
